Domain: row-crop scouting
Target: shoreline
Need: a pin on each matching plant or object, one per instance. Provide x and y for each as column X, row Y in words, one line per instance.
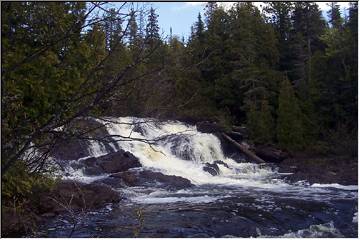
column 321, row 169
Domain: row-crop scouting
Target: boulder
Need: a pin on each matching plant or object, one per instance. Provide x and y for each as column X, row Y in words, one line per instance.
column 75, row 148
column 211, row 168
column 270, row 153
column 70, row 195
column 150, row 178
column 118, row 162
column 111, row 163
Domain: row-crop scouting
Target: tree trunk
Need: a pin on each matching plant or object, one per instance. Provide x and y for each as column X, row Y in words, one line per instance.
column 247, row 152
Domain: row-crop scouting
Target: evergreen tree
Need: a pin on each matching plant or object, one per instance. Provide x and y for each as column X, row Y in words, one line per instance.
column 199, row 26
column 261, row 123
column 334, row 15
column 210, row 8
column 280, row 18
column 152, row 29
column 289, row 125
column 133, row 29
column 113, row 29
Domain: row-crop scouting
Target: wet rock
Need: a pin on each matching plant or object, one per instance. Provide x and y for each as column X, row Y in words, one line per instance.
column 321, row 169
column 75, row 148
column 73, row 196
column 213, row 169
column 270, row 153
column 150, row 178
column 65, row 197
column 139, row 129
column 118, row 162
column 181, row 146
column 111, row 163
column 222, row 163
column 112, row 182
column 71, row 149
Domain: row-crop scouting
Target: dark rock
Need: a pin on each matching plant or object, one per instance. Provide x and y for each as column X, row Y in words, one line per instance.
column 118, row 162
column 213, row 169
column 321, row 169
column 150, row 178
column 209, row 127
column 112, row 182
column 139, row 129
column 92, row 171
column 221, row 162
column 74, row 196
column 75, row 148
column 178, row 148
column 111, row 163
column 270, row 154
column 71, row 149
column 65, row 197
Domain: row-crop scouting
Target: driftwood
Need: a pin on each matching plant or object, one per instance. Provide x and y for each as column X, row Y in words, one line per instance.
column 243, row 149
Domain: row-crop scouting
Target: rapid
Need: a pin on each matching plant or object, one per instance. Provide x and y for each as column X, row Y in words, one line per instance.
column 242, row 200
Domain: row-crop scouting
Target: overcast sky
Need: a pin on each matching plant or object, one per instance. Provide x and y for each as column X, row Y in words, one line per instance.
column 181, row 15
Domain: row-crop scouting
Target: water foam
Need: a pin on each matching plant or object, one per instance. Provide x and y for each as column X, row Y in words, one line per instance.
column 181, row 150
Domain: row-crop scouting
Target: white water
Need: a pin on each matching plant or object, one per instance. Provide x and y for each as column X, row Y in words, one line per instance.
column 183, row 151
column 314, row 231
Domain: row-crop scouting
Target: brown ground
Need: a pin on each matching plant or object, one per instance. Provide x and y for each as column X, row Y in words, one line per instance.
column 321, row 169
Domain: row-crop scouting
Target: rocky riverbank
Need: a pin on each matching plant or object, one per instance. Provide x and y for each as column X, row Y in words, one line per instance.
column 321, row 169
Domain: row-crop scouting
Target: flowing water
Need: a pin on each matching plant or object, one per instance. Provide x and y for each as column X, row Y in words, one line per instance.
column 243, row 200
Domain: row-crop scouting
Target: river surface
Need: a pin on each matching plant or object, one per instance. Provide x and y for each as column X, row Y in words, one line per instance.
column 243, row 200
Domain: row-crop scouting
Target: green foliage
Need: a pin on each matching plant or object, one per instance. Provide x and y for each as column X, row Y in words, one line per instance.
column 290, row 133
column 261, row 123
column 18, row 184
column 229, row 70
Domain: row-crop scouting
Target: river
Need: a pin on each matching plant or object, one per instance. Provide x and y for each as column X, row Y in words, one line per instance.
column 242, row 200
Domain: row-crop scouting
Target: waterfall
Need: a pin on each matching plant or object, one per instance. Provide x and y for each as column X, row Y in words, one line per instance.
column 181, row 150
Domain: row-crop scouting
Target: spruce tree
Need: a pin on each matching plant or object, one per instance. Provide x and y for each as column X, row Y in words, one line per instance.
column 199, row 26
column 152, row 28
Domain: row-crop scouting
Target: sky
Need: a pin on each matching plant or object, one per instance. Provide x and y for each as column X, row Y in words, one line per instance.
column 181, row 15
